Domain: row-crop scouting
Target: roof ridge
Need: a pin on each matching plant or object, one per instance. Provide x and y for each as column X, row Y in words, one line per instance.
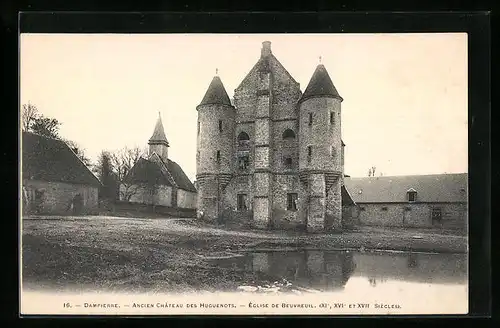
column 165, row 166
column 409, row 175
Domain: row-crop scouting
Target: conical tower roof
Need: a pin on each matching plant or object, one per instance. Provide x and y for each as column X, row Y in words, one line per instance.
column 320, row 85
column 159, row 133
column 216, row 93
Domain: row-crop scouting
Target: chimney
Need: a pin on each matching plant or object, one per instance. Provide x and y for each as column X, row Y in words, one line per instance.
column 266, row 49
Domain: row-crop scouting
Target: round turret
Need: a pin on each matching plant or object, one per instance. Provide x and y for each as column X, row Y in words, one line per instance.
column 216, row 122
column 320, row 144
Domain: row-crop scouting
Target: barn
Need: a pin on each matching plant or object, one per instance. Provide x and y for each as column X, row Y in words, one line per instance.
column 54, row 180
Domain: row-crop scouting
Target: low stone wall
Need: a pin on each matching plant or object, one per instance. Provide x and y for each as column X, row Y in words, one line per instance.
column 414, row 215
column 120, row 206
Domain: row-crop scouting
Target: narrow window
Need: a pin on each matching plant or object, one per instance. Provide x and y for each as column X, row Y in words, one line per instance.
column 407, row 209
column 242, row 202
column 332, row 118
column 243, row 161
column 384, row 208
column 218, row 155
column 332, row 151
column 292, row 202
column 220, row 125
column 198, row 127
column 288, row 162
column 309, row 153
column 310, row 118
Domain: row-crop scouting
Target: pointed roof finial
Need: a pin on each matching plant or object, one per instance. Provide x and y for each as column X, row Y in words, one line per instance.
column 158, row 136
column 320, row 59
column 320, row 85
column 216, row 71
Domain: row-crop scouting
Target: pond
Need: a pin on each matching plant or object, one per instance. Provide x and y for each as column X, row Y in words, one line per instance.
column 364, row 272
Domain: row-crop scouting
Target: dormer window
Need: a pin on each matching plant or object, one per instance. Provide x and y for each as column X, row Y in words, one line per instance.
column 411, row 195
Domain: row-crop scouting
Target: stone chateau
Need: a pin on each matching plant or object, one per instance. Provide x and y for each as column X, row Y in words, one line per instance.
column 274, row 156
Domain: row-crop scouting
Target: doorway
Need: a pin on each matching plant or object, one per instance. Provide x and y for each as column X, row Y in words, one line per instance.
column 77, row 204
column 436, row 216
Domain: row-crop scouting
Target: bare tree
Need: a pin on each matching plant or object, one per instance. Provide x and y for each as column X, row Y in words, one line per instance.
column 373, row 171
column 122, row 162
column 370, row 172
column 29, row 115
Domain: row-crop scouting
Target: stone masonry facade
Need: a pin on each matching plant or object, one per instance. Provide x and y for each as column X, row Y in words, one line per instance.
column 274, row 155
column 47, row 197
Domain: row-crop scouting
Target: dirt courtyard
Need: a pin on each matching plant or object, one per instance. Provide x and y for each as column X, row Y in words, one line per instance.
column 129, row 254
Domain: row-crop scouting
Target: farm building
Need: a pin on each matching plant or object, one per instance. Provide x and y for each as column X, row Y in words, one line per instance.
column 54, row 179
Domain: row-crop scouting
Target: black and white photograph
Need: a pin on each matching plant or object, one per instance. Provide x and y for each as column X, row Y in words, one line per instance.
column 251, row 174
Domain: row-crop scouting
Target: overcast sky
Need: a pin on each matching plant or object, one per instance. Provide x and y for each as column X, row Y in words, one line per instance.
column 405, row 95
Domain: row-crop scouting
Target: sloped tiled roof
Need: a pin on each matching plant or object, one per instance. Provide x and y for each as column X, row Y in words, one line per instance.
column 391, row 189
column 346, row 197
column 159, row 133
column 216, row 93
column 180, row 177
column 49, row 159
column 265, row 64
column 320, row 85
column 147, row 171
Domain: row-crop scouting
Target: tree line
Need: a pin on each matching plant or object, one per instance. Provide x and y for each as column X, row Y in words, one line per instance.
column 111, row 167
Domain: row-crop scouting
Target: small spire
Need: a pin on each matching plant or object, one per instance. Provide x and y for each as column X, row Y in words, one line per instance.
column 159, row 114
column 216, row 71
column 320, row 59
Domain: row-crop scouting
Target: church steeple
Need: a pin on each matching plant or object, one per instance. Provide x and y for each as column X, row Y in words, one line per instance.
column 320, row 85
column 158, row 142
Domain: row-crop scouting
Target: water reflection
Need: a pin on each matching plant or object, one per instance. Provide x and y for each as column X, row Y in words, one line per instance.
column 329, row 271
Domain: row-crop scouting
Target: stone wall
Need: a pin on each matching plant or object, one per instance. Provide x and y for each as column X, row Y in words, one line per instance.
column 162, row 195
column 454, row 215
column 186, row 199
column 333, row 215
column 131, row 208
column 282, row 218
column 58, row 197
column 320, row 135
column 210, row 139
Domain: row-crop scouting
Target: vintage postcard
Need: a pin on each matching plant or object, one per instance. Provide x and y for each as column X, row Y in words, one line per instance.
column 244, row 174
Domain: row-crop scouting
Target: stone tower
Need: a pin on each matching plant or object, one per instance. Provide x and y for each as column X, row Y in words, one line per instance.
column 263, row 179
column 273, row 158
column 321, row 153
column 158, row 142
column 214, row 160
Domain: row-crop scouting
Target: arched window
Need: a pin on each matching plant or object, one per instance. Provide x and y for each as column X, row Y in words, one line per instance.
column 243, row 136
column 288, row 134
